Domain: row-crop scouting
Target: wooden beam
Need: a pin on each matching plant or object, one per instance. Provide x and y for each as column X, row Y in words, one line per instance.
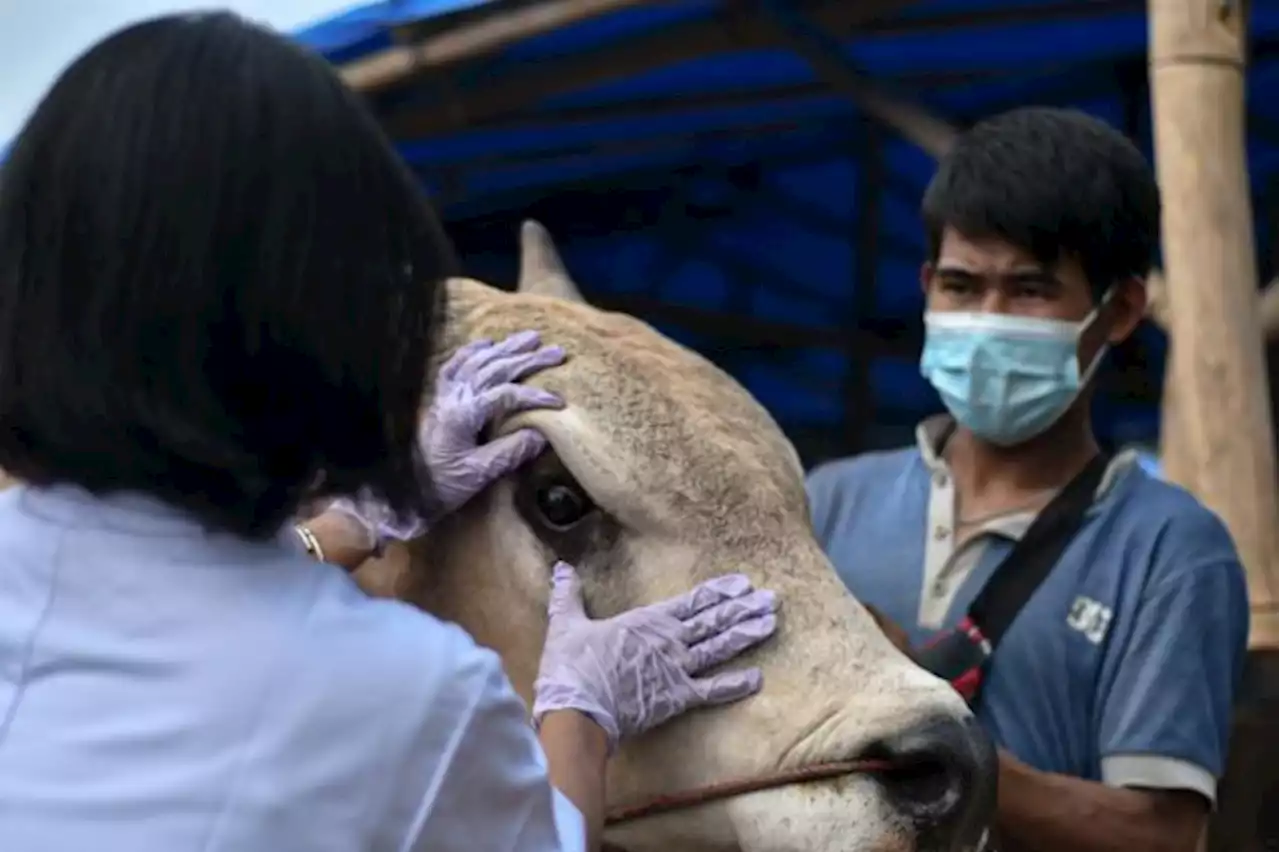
column 574, row 152
column 436, row 45
column 471, row 41
column 1223, row 449
column 454, row 192
column 786, row 96
column 824, row 53
column 695, row 38
column 497, row 98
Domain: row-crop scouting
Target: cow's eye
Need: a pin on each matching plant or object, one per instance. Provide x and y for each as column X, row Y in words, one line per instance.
column 561, row 505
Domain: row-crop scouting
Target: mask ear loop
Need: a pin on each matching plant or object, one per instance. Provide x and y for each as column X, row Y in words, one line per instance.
column 1097, row 310
column 1096, row 363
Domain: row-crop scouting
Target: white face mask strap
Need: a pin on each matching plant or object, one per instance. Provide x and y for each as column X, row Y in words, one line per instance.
column 1093, row 314
column 1087, row 375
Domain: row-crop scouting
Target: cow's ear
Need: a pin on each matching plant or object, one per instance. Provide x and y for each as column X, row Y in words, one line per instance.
column 541, row 269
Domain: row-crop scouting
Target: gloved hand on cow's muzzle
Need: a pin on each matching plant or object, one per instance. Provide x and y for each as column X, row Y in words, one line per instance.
column 636, row 670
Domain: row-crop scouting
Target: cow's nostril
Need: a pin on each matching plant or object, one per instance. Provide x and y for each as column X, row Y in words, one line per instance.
column 921, row 786
column 941, row 775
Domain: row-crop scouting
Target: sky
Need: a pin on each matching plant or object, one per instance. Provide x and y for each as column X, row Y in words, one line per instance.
column 38, row 38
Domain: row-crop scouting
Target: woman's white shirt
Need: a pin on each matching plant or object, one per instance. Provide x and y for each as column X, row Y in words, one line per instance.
column 163, row 689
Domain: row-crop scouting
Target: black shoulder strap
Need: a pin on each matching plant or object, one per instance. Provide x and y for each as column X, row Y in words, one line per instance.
column 1016, row 578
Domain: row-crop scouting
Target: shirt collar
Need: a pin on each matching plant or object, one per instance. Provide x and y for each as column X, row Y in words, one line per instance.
column 932, row 431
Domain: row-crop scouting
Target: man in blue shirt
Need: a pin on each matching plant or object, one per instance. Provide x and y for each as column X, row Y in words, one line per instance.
column 1111, row 694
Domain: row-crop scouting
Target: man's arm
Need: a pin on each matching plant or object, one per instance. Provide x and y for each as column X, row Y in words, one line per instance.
column 1047, row 812
column 1165, row 700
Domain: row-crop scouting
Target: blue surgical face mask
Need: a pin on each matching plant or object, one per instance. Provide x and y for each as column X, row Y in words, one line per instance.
column 1006, row 378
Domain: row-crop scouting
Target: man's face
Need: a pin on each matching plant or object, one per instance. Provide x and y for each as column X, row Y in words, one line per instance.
column 989, row 275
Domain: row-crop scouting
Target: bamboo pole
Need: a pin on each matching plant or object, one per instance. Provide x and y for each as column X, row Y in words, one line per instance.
column 1222, row 449
column 1174, row 459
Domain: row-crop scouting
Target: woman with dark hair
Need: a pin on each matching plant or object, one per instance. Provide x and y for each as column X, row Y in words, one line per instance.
column 219, row 289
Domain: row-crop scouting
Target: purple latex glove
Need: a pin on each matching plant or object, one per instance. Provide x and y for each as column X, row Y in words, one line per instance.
column 473, row 388
column 636, row 670
column 379, row 525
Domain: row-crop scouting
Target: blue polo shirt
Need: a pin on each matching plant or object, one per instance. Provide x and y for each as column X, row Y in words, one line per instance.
column 1122, row 668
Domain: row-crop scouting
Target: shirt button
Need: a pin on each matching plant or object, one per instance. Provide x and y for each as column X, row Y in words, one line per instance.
column 940, row 479
column 940, row 532
column 939, row 587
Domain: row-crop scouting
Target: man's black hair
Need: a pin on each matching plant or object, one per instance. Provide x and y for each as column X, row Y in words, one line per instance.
column 218, row 283
column 1053, row 182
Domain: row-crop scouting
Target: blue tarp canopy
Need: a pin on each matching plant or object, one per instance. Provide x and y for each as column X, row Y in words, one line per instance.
column 697, row 171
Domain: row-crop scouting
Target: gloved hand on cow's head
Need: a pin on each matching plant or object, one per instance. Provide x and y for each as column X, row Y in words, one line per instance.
column 475, row 387
column 634, row 671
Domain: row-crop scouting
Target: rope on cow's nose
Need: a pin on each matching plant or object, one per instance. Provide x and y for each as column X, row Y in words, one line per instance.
column 686, row 799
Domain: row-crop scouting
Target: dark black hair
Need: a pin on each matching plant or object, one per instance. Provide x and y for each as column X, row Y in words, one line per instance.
column 1053, row 182
column 218, row 283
